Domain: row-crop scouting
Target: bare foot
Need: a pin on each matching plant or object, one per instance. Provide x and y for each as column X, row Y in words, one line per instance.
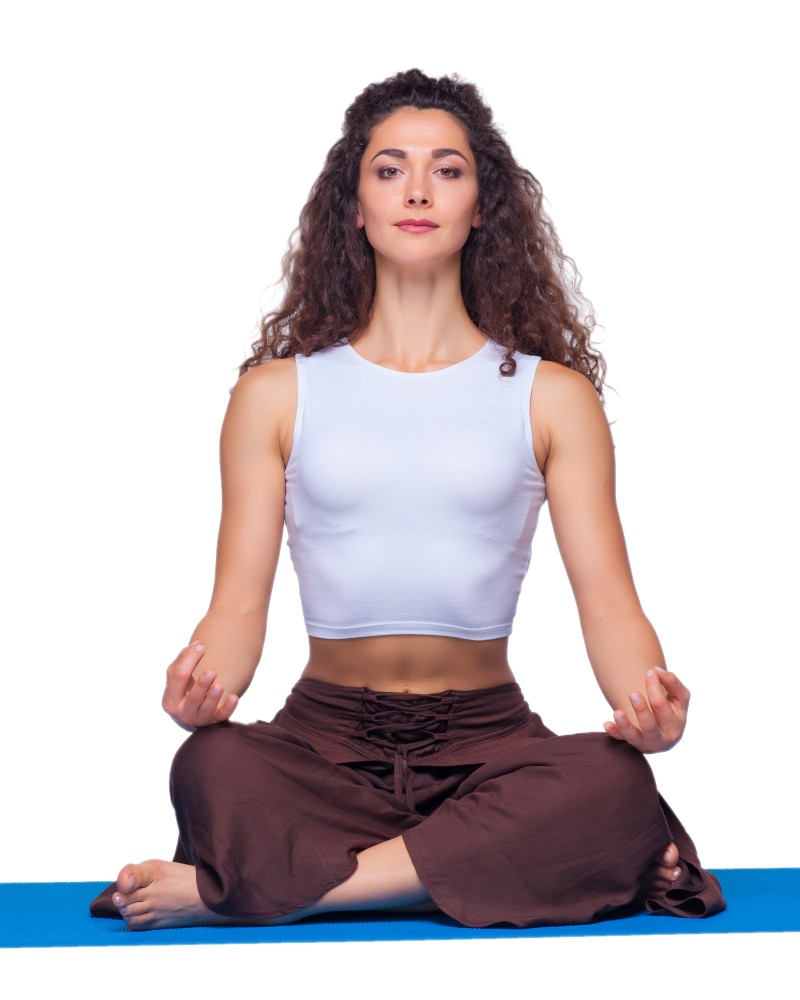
column 162, row 894
column 663, row 871
column 157, row 894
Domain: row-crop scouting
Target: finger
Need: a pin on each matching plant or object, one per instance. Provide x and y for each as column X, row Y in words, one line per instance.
column 196, row 698
column 191, row 653
column 180, row 671
column 645, row 718
column 667, row 712
column 177, row 688
column 226, row 708
column 207, row 712
column 660, row 704
column 630, row 733
column 675, row 688
column 613, row 730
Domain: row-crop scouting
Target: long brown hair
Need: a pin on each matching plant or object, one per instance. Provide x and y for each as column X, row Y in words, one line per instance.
column 517, row 284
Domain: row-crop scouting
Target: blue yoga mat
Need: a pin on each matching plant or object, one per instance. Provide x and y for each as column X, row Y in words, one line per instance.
column 56, row 915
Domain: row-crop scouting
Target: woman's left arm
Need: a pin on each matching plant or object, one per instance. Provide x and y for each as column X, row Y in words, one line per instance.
column 650, row 703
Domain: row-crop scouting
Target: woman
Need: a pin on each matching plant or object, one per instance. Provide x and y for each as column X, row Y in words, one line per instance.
column 429, row 382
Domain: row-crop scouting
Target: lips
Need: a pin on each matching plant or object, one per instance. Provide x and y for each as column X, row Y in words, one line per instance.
column 417, row 225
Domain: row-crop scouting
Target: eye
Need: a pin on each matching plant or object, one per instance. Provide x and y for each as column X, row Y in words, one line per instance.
column 452, row 174
column 381, row 172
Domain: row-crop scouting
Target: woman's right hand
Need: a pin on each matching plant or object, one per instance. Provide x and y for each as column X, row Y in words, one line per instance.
column 195, row 703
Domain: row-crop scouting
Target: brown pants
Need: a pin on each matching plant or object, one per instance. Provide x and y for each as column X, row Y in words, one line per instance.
column 505, row 821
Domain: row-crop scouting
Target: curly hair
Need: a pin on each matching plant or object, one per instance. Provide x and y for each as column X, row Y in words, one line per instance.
column 517, row 284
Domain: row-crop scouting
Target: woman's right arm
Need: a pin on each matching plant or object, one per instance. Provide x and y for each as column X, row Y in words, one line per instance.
column 204, row 685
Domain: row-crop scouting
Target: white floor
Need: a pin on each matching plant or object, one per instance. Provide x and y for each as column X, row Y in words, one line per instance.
column 668, row 966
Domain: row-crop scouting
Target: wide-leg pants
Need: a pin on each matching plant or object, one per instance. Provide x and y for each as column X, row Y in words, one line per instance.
column 505, row 821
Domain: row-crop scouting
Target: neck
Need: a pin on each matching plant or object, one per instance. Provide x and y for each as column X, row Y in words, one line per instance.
column 418, row 316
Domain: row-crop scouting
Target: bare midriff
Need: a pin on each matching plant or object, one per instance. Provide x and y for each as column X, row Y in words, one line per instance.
column 413, row 664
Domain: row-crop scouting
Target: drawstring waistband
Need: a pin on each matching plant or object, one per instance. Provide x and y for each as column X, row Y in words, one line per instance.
column 349, row 724
column 403, row 724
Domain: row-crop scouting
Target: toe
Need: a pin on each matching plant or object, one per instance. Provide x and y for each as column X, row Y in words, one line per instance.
column 667, row 876
column 133, row 877
column 126, row 880
column 136, row 914
column 663, row 872
column 670, row 857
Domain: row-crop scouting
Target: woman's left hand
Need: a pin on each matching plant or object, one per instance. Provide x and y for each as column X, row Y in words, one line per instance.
column 661, row 723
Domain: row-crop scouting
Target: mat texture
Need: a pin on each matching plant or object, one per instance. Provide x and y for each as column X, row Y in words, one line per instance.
column 56, row 914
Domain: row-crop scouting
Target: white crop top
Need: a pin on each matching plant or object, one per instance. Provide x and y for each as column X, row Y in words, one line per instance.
column 411, row 497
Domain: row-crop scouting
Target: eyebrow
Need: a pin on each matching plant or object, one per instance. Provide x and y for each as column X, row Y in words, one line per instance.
column 436, row 154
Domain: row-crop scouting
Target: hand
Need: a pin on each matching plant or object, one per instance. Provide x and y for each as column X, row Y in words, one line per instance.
column 661, row 724
column 194, row 703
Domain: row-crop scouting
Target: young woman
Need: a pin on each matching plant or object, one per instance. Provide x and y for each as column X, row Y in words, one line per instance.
column 430, row 382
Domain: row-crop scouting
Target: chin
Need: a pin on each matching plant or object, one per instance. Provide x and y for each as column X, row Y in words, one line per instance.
column 418, row 255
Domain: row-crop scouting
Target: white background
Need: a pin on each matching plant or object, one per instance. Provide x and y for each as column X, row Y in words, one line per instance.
column 156, row 157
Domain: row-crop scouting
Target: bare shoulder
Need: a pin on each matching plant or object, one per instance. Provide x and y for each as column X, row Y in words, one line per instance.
column 267, row 379
column 265, row 398
column 564, row 407
column 562, row 386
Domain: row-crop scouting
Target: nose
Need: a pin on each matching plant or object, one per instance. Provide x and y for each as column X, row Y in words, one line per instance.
column 417, row 192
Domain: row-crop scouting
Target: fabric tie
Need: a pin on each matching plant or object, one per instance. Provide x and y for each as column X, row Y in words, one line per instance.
column 402, row 725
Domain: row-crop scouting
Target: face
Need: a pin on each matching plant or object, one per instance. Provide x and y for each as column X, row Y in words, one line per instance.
column 418, row 165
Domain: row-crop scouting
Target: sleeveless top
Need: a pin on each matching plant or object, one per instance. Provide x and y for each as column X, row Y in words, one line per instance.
column 411, row 497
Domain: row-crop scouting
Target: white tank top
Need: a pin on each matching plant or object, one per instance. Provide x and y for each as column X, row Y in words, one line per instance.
column 411, row 497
